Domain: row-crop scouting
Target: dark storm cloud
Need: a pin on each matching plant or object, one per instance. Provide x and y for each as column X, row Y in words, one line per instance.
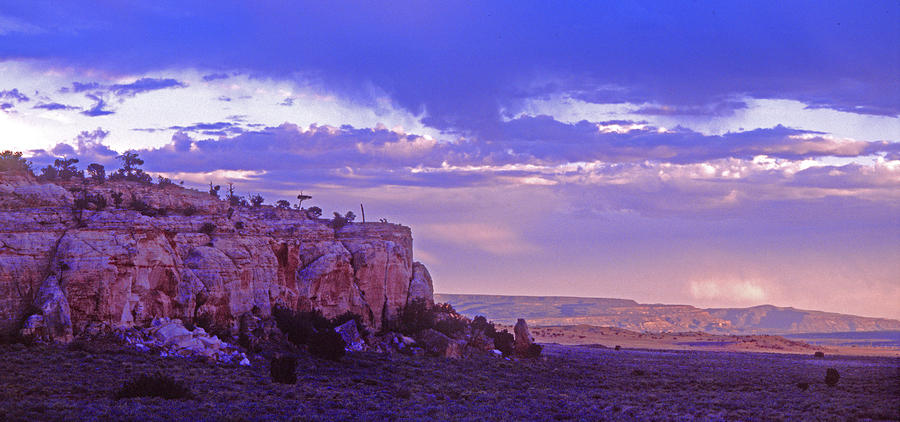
column 463, row 62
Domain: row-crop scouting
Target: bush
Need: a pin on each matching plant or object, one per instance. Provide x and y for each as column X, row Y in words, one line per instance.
column 283, row 369
column 156, row 385
column 164, row 181
column 256, row 200
column 414, row 317
column 327, row 344
column 239, row 225
column 533, row 351
column 832, row 377
column 314, row 212
column 13, row 162
column 480, row 323
column 283, row 204
column 300, row 326
column 189, row 210
column 117, row 199
column 208, row 228
column 451, row 327
column 503, row 341
column 338, row 221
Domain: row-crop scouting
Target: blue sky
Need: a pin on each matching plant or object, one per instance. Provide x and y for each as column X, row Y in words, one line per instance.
column 705, row 153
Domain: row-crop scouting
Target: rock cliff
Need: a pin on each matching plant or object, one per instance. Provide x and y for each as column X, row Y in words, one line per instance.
column 174, row 252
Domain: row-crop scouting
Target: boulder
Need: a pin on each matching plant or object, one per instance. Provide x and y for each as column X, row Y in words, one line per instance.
column 421, row 286
column 435, row 343
column 523, row 337
column 350, row 334
column 54, row 308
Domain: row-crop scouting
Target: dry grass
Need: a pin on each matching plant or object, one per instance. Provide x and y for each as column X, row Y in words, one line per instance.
column 572, row 383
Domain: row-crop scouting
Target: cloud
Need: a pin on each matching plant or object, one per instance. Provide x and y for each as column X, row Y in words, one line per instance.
column 14, row 95
column 54, row 106
column 729, row 291
column 685, row 59
column 99, row 107
column 214, row 77
column 489, row 238
column 145, row 85
column 714, row 109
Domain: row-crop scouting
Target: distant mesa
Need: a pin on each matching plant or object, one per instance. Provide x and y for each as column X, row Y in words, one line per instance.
column 631, row 315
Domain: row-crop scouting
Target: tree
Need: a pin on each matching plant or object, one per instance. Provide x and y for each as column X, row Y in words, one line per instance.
column 130, row 170
column 214, row 190
column 97, row 172
column 314, row 212
column 350, row 216
column 256, row 200
column 233, row 199
column 13, row 162
column 130, row 161
column 302, row 198
column 283, row 204
column 65, row 168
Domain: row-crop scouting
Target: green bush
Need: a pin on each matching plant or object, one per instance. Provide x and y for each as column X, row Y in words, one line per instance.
column 156, row 385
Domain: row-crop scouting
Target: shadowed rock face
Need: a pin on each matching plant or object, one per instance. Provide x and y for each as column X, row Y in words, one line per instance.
column 120, row 267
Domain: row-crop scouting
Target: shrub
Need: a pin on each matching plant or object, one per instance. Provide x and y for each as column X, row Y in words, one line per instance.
column 832, row 377
column 156, row 385
column 327, row 344
column 338, row 221
column 283, row 369
column 164, row 181
column 208, row 228
column 819, row 354
column 256, row 200
column 283, row 204
column 314, row 212
column 300, row 326
column 480, row 323
column 533, row 351
column 415, row 316
column 239, row 225
column 117, row 199
column 97, row 173
column 189, row 210
column 451, row 327
column 13, row 162
column 503, row 342
column 138, row 205
column 214, row 190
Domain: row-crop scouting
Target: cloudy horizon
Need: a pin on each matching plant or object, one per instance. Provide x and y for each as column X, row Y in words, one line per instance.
column 713, row 155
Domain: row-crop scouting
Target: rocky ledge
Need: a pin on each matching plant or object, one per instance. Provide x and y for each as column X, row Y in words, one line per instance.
column 169, row 252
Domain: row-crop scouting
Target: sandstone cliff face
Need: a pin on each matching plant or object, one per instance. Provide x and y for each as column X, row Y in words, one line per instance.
column 119, row 267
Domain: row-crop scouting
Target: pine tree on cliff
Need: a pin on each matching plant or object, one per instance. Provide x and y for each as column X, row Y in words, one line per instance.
column 130, row 170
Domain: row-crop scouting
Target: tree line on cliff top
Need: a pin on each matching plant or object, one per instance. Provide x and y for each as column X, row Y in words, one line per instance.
column 64, row 169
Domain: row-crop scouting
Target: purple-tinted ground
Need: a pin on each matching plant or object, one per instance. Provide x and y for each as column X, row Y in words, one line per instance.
column 571, row 383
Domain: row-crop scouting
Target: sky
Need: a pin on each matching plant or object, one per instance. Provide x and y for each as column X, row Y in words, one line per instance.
column 705, row 153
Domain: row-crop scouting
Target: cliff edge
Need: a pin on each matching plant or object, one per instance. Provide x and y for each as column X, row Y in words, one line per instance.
column 70, row 261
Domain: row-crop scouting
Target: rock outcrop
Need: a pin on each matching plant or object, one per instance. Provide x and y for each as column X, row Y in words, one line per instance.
column 169, row 252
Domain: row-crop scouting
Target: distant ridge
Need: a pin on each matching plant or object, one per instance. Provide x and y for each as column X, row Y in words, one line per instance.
column 631, row 315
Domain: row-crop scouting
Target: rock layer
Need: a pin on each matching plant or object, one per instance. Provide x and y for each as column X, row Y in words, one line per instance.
column 195, row 256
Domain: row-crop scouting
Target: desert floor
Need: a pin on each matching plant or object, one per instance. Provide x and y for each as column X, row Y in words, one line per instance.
column 692, row 341
column 569, row 383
